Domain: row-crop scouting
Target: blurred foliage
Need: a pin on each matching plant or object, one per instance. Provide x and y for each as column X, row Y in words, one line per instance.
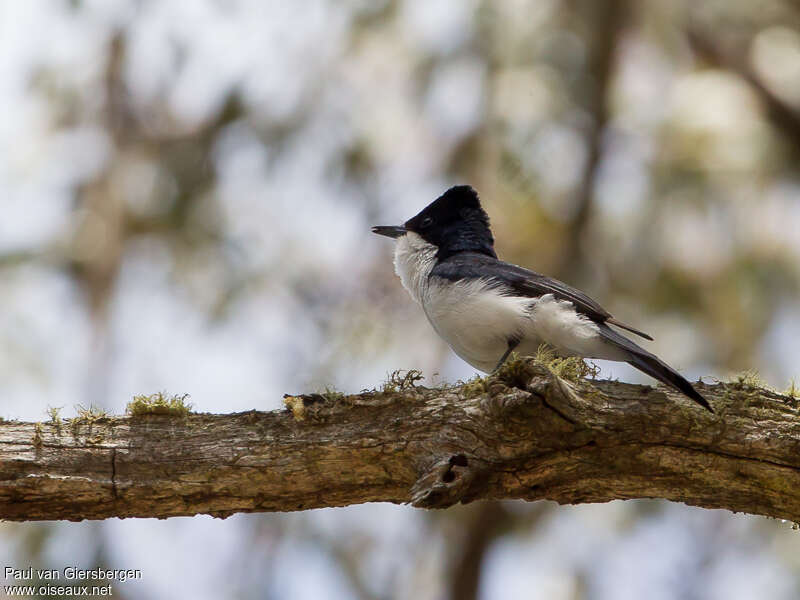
column 643, row 151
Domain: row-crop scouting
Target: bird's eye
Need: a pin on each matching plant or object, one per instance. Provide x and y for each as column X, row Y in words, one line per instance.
column 426, row 222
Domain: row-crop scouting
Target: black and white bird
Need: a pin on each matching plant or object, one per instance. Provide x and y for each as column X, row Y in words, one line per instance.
column 485, row 308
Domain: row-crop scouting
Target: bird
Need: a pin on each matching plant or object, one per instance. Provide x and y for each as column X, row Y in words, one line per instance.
column 485, row 308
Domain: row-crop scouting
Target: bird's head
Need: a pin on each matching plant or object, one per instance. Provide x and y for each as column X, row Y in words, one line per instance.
column 454, row 222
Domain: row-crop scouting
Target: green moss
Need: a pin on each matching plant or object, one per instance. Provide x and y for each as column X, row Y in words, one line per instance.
column 748, row 379
column 74, row 426
column 793, row 391
column 574, row 368
column 474, row 387
column 545, row 354
column 571, row 368
column 514, row 367
column 401, row 380
column 55, row 417
column 744, row 387
column 517, row 371
column 86, row 416
column 296, row 405
column 331, row 394
column 37, row 435
column 91, row 415
column 159, row 403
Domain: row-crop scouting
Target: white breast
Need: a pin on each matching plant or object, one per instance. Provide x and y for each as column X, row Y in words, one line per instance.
column 475, row 319
column 414, row 258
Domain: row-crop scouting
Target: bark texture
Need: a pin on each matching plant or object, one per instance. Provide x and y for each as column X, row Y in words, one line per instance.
column 523, row 433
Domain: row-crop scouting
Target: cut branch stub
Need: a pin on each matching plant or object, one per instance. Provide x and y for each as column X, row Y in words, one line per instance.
column 447, row 482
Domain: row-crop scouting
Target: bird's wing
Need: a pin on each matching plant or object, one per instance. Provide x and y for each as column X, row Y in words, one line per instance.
column 468, row 265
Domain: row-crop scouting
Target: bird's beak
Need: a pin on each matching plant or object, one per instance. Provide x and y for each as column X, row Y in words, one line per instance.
column 391, row 231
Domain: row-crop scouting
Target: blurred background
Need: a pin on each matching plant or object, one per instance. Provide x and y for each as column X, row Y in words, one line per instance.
column 187, row 190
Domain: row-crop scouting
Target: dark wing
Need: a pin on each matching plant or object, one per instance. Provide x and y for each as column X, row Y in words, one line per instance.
column 469, row 265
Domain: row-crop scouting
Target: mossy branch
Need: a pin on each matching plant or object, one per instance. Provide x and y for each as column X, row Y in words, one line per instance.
column 525, row 432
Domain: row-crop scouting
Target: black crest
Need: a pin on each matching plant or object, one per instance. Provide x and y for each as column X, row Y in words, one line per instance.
column 455, row 222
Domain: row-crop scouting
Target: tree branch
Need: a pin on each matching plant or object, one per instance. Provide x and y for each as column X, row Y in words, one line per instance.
column 782, row 114
column 524, row 433
column 608, row 19
column 482, row 527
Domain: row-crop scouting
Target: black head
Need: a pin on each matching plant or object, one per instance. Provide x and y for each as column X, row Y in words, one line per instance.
column 454, row 222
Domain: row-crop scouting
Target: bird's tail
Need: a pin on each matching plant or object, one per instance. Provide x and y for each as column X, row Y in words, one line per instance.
column 657, row 369
column 652, row 365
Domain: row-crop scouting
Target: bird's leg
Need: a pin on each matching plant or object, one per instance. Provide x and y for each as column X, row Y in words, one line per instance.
column 512, row 343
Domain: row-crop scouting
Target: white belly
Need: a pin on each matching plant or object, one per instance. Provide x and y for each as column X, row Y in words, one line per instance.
column 475, row 320
column 478, row 321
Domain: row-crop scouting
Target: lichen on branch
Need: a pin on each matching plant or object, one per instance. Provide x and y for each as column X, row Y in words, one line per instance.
column 537, row 429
